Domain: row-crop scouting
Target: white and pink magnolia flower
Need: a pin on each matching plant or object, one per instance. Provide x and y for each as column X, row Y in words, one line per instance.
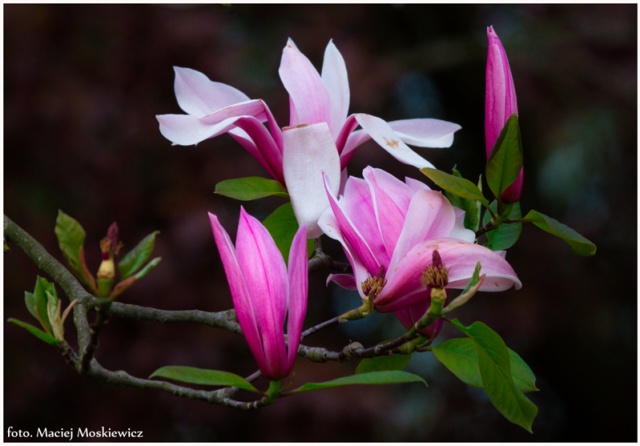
column 321, row 137
column 500, row 104
column 267, row 295
column 384, row 223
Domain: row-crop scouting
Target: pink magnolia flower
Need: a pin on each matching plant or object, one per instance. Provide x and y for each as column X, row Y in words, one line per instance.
column 321, row 137
column 385, row 223
column 500, row 104
column 265, row 294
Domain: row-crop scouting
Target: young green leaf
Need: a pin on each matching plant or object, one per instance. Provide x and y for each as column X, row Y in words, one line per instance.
column 194, row 375
column 46, row 337
column 71, row 241
column 147, row 268
column 460, row 357
column 505, row 161
column 455, row 185
column 41, row 293
column 577, row 242
column 369, row 378
column 137, row 257
column 30, row 302
column 282, row 225
column 382, row 363
column 494, row 363
column 250, row 188
column 507, row 234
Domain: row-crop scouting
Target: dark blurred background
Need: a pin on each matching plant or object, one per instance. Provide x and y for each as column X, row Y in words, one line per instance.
column 82, row 86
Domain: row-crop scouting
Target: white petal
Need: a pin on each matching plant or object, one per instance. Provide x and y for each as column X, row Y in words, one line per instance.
column 198, row 96
column 309, row 151
column 334, row 75
column 426, row 132
column 187, row 130
column 384, row 135
column 308, row 94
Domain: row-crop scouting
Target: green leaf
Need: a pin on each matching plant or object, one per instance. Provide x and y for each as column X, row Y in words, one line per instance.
column 471, row 208
column 382, row 363
column 577, row 242
column 282, row 225
column 460, row 357
column 494, row 363
column 507, row 234
column 148, row 268
column 505, row 161
column 370, row 378
column 455, row 185
column 205, row 377
column 41, row 293
column 46, row 337
column 30, row 302
column 250, row 188
column 71, row 241
column 137, row 257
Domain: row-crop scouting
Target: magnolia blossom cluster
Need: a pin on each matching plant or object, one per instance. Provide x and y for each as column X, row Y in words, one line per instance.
column 387, row 227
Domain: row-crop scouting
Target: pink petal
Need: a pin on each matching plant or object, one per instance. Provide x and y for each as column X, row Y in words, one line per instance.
column 425, row 132
column 391, row 198
column 358, row 205
column 240, row 294
column 308, row 93
column 459, row 231
column 337, row 225
column 334, row 76
column 266, row 277
column 308, row 152
column 198, row 96
column 384, row 135
column 298, row 292
column 430, row 215
column 344, row 280
column 403, row 286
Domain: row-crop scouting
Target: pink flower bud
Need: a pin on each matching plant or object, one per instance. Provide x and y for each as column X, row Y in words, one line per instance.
column 267, row 295
column 500, row 103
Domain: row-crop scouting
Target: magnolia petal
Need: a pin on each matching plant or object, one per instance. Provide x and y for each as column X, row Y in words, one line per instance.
column 357, row 203
column 415, row 185
column 308, row 152
column 391, row 198
column 346, row 281
column 348, row 139
column 186, row 130
column 425, row 132
column 334, row 76
column 199, row 96
column 306, row 89
column 403, row 286
column 298, row 293
column 383, row 134
column 240, row 294
column 266, row 277
column 335, row 224
column 459, row 231
column 429, row 216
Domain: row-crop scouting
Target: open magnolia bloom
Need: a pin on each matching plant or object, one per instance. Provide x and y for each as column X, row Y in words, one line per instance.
column 267, row 295
column 321, row 137
column 394, row 226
